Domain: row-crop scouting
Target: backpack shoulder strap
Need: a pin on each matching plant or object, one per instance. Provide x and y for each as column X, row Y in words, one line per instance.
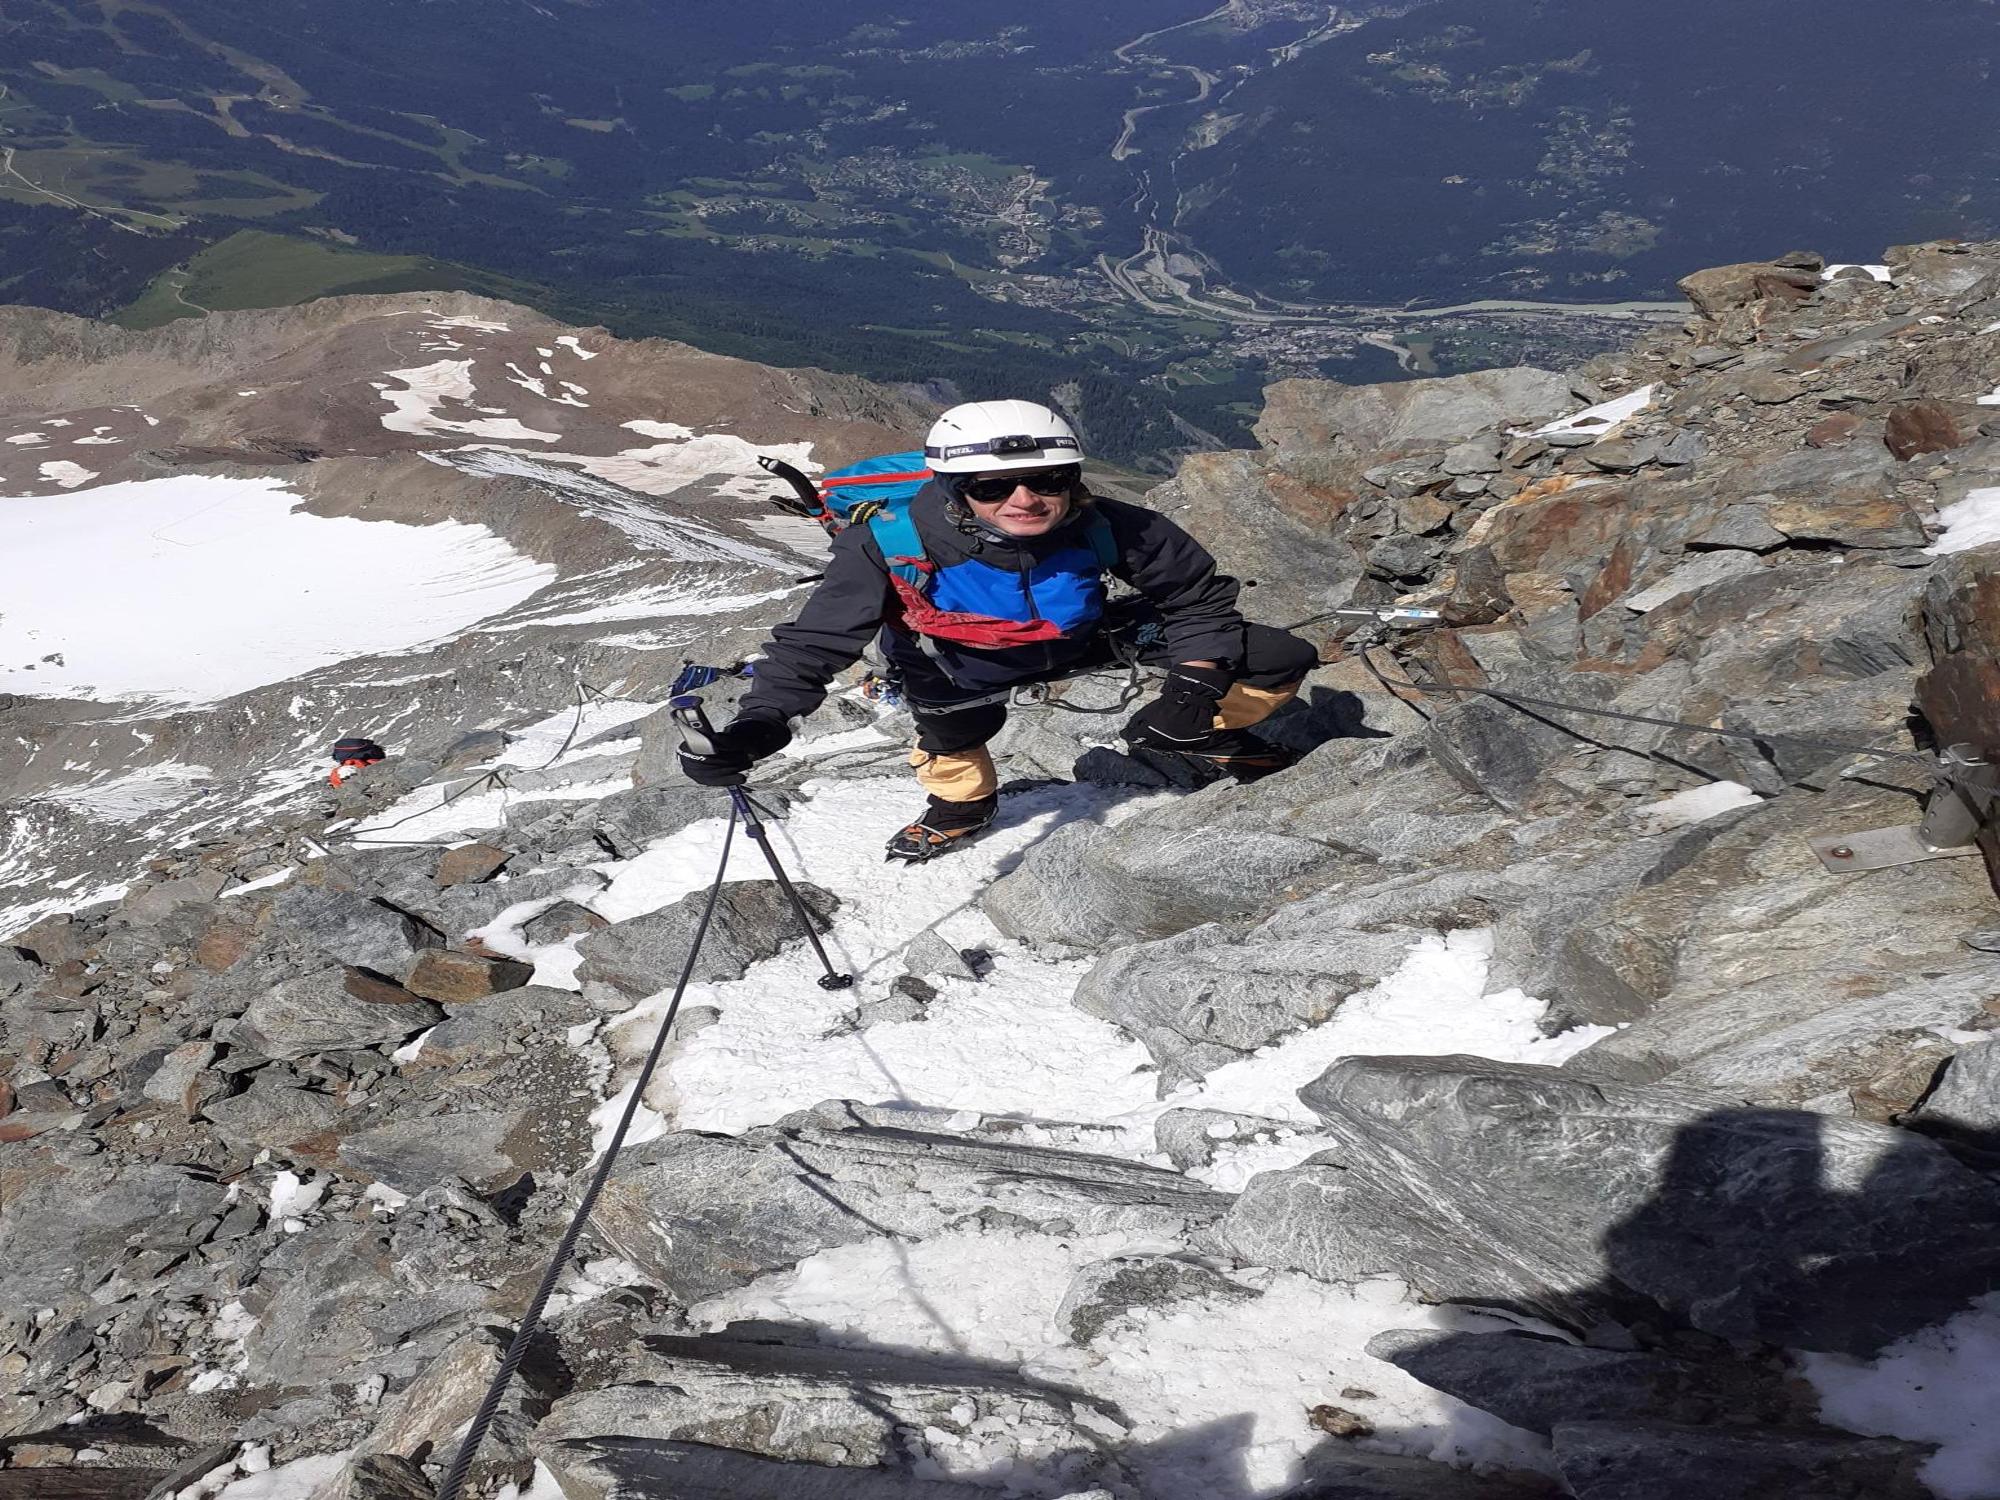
column 902, row 548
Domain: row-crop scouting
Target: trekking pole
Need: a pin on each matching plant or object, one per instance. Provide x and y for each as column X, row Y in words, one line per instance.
column 699, row 736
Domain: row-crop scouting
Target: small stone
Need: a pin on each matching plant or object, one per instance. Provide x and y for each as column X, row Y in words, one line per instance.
column 1623, row 456
column 109, row 1395
column 453, row 978
column 1465, row 487
column 474, row 748
column 1834, row 430
column 1420, row 515
column 1569, row 437
column 1714, row 357
column 1338, row 1421
column 183, row 1079
column 469, row 864
column 1801, row 260
column 1740, row 526
column 928, row 953
column 1684, row 447
column 1524, row 452
column 564, row 919
column 1480, row 455
column 1771, row 387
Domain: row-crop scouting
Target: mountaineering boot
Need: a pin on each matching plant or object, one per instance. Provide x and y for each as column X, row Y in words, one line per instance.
column 1227, row 753
column 945, row 826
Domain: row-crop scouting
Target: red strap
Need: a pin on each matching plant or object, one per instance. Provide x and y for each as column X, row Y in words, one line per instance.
column 988, row 632
column 836, row 481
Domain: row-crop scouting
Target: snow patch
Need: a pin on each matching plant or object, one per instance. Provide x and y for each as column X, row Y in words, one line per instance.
column 199, row 551
column 569, row 341
column 1971, row 522
column 64, row 474
column 1219, row 1391
column 1603, row 417
column 427, row 387
column 1936, row 1386
column 1696, row 805
column 135, row 795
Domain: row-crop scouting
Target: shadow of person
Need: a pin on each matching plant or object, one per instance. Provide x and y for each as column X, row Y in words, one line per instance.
column 1791, row 1228
column 1762, row 1232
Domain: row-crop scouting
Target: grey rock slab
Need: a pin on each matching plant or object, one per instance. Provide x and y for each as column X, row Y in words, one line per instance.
column 1106, row 1293
column 180, row 1077
column 856, row 1409
column 1534, row 1382
column 1480, row 455
column 333, row 1010
column 1649, row 1460
column 1624, row 455
column 413, row 1155
column 150, row 905
column 1699, row 573
column 431, row 1410
column 1683, row 448
column 63, row 1233
column 342, row 1300
column 753, row 920
column 484, row 1032
column 645, row 1469
column 1964, row 1107
column 1812, row 1060
column 630, row 820
column 466, row 908
column 1231, row 853
column 1212, row 995
column 473, row 748
column 350, row 928
column 702, row 1214
column 1305, row 422
column 1742, row 526
column 1749, row 937
column 1583, row 1199
column 269, row 1116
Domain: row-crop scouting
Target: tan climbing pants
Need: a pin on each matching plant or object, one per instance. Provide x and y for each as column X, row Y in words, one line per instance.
column 1244, row 705
column 958, row 775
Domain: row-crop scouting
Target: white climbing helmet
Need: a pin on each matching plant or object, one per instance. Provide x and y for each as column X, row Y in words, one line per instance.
column 981, row 437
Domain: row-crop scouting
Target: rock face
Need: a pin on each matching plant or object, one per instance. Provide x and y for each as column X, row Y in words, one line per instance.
column 774, row 1196
column 752, row 921
column 1583, row 1199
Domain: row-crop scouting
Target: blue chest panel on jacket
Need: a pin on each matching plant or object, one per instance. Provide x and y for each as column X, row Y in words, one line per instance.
column 1066, row 588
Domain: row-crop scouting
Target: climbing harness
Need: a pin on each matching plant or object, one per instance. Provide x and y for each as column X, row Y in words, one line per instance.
column 743, row 810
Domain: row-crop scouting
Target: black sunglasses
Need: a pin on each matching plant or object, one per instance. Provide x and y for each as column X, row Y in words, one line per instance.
column 989, row 488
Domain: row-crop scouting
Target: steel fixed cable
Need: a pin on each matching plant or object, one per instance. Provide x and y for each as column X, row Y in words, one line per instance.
column 517, row 1348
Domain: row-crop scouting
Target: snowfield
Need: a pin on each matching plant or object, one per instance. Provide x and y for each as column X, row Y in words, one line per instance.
column 194, row 588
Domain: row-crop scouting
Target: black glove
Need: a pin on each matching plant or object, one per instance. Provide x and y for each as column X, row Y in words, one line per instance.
column 738, row 747
column 1183, row 716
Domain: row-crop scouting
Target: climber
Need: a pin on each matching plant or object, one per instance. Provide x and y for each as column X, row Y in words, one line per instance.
column 994, row 578
column 352, row 754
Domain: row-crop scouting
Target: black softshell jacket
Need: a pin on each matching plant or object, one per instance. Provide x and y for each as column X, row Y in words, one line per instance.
column 855, row 599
